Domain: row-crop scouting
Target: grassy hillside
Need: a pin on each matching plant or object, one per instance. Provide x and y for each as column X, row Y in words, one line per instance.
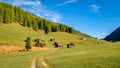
column 14, row 34
column 89, row 53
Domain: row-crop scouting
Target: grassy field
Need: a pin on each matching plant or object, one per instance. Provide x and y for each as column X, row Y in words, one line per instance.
column 96, row 56
column 86, row 54
column 89, row 56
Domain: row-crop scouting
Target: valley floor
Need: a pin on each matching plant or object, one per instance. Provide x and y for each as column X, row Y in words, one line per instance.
column 83, row 56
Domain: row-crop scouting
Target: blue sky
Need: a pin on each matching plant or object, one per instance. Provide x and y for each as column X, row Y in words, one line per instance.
column 97, row 18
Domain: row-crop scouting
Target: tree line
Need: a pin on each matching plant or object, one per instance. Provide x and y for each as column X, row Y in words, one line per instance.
column 14, row 14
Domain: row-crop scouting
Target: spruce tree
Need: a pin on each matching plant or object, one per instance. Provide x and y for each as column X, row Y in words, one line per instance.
column 12, row 15
column 1, row 13
column 40, row 25
column 28, row 43
column 70, row 30
column 0, row 19
column 47, row 29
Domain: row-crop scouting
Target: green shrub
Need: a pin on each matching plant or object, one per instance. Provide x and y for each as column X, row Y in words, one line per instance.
column 28, row 43
column 39, row 43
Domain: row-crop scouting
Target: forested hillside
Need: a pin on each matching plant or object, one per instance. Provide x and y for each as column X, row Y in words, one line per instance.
column 14, row 14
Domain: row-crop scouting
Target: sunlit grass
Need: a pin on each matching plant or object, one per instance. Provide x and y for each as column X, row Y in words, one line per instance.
column 101, row 57
column 86, row 54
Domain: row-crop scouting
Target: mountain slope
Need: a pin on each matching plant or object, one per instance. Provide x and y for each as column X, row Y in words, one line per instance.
column 17, row 24
column 114, row 36
column 15, row 34
column 10, row 14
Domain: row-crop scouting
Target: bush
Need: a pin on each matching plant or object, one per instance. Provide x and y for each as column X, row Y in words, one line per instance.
column 28, row 43
column 39, row 43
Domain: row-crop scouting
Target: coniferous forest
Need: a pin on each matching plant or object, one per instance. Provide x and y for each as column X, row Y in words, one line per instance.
column 14, row 14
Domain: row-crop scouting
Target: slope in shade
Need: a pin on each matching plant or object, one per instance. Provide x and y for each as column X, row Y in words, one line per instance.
column 114, row 36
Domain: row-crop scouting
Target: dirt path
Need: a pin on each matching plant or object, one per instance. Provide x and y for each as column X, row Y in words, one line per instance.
column 34, row 64
column 40, row 62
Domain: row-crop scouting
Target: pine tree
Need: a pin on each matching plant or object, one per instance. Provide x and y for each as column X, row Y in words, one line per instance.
column 1, row 13
column 35, row 25
column 62, row 27
column 57, row 28
column 53, row 28
column 5, row 17
column 16, row 12
column 70, row 30
column 28, row 43
column 0, row 18
column 40, row 24
column 12, row 16
column 47, row 29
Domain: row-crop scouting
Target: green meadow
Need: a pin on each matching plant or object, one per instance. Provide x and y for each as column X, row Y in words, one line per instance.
column 89, row 56
column 86, row 53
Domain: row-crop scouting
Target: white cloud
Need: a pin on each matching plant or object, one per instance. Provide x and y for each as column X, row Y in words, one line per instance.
column 66, row 2
column 26, row 2
column 94, row 8
column 38, row 9
column 99, row 34
column 53, row 16
column 56, row 17
column 32, row 11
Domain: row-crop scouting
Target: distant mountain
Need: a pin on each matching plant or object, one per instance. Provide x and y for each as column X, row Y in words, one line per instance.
column 114, row 36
